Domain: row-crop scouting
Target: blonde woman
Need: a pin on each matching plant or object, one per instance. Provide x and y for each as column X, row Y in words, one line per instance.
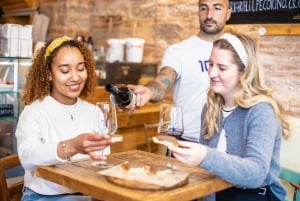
column 242, row 127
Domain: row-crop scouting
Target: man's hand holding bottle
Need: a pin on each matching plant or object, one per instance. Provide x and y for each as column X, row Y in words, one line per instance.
column 143, row 94
column 128, row 97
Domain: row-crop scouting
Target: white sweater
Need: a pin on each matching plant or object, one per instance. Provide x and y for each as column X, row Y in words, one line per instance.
column 42, row 125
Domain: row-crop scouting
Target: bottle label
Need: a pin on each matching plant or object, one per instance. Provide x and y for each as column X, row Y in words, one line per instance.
column 132, row 102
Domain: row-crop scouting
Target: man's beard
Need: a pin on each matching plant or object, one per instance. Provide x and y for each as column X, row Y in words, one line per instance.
column 209, row 30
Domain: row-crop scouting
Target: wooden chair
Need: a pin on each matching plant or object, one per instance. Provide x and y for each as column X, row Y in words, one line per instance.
column 10, row 188
column 293, row 178
column 296, row 196
column 289, row 160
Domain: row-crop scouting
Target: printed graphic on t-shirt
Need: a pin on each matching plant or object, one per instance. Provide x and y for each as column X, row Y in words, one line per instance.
column 203, row 65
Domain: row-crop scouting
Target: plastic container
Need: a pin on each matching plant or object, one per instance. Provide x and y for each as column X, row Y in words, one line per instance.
column 115, row 51
column 134, row 49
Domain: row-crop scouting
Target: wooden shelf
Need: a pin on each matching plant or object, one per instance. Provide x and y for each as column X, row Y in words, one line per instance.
column 14, row 5
column 270, row 29
column 18, row 11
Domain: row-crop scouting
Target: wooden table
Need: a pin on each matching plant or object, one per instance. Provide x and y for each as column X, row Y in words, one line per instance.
column 83, row 177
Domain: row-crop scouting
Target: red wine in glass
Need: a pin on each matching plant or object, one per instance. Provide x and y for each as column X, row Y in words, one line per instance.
column 177, row 133
column 170, row 123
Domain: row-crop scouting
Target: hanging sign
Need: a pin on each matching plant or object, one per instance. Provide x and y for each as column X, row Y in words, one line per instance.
column 264, row 11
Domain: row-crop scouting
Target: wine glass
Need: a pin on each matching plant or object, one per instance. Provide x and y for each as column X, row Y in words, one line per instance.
column 108, row 126
column 170, row 123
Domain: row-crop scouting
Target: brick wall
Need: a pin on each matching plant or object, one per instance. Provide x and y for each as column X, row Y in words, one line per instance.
column 281, row 58
column 162, row 23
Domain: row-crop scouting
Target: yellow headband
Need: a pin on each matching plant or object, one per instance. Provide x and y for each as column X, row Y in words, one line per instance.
column 55, row 43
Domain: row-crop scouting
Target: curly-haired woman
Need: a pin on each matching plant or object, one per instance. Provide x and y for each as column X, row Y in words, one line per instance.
column 56, row 125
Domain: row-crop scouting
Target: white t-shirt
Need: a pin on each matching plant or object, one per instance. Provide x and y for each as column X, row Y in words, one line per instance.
column 42, row 125
column 222, row 144
column 189, row 59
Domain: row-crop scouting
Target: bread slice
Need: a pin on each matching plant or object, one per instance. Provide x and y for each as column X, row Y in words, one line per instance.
column 166, row 140
column 132, row 167
column 159, row 170
column 116, row 138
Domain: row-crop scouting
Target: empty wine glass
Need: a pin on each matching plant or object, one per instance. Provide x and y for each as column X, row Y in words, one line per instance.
column 170, row 123
column 109, row 126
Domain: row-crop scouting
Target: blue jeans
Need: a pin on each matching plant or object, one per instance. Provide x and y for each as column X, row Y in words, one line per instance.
column 240, row 194
column 29, row 195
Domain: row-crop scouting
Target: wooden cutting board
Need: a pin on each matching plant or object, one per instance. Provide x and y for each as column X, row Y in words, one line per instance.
column 144, row 180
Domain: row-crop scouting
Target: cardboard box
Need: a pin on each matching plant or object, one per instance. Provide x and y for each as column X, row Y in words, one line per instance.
column 9, row 30
column 40, row 27
column 9, row 38
column 9, row 47
column 15, row 40
column 25, row 41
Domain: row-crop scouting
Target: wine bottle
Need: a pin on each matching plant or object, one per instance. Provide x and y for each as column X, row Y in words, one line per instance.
column 121, row 95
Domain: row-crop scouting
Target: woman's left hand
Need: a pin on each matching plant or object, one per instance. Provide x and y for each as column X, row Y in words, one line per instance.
column 189, row 152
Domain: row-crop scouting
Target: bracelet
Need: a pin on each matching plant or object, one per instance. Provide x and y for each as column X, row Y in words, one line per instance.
column 64, row 146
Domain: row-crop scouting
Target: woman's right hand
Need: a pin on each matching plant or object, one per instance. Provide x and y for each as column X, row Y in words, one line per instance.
column 90, row 142
column 86, row 143
column 189, row 152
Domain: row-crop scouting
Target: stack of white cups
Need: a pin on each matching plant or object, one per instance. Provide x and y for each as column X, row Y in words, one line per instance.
column 134, row 50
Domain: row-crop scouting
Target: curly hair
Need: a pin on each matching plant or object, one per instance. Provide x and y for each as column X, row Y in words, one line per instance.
column 253, row 88
column 38, row 84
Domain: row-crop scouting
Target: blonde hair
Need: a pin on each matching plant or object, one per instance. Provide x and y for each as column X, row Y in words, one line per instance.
column 38, row 83
column 253, row 89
